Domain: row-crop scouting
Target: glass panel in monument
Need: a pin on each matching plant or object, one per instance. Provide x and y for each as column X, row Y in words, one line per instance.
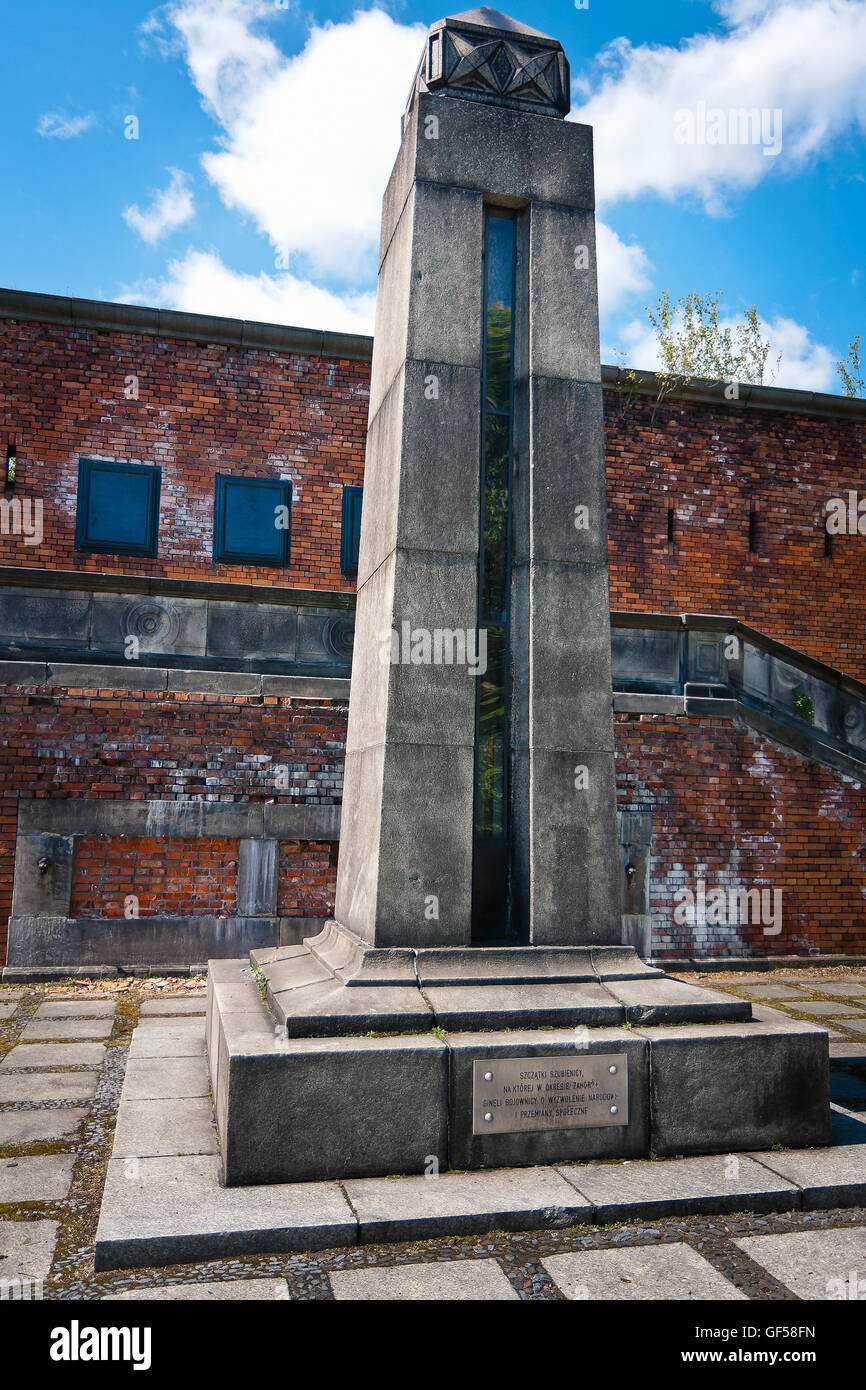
column 490, row 879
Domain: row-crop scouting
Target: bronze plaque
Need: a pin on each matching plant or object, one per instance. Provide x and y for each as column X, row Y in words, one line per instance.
column 512, row 1094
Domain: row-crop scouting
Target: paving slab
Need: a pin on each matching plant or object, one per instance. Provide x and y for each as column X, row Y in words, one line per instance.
column 76, row 1008
column 48, row 1085
column 258, row 1290
column 820, row 1008
column 39, row 1029
column 680, row 1187
column 504, row 1199
column 53, row 1055
column 673, row 1273
column 174, row 1006
column 160, row 1128
column 39, row 1126
column 814, row 1264
column 443, row 1281
column 27, row 1248
column 149, row 1078
column 6, row 1011
column 173, row 1210
column 765, row 991
column 179, row 1037
column 831, row 1177
column 43, row 1178
column 841, row 989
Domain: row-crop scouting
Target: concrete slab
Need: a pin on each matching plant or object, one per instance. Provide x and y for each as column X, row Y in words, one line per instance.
column 39, row 1029
column 27, row 1248
column 680, row 1187
column 773, row 991
column 468, row 1007
column 173, row 1210
column 443, row 1281
column 197, row 1004
column 53, row 1055
column 6, row 1011
column 251, row 1290
column 39, row 1126
column 48, row 1085
column 673, row 1001
column 150, row 1078
column 76, row 1008
column 848, row 1048
column 45, row 1178
column 168, row 1038
column 160, row 1128
column 652, row 1272
column 832, row 1177
column 816, row 1008
column 505, row 1199
column 814, row 1264
column 840, row 989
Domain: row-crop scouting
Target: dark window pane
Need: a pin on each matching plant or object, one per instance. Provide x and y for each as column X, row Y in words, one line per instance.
column 351, row 532
column 117, row 509
column 251, row 520
column 492, row 751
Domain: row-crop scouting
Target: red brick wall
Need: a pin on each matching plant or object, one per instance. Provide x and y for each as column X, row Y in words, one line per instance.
column 711, row 464
column 158, row 746
column 738, row 811
column 202, row 410
column 172, row 878
column 307, row 879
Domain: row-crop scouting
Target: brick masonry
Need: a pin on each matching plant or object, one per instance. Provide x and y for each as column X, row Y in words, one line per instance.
column 737, row 811
column 147, row 877
column 729, row 806
column 722, row 797
column 174, row 747
column 713, row 465
column 201, row 410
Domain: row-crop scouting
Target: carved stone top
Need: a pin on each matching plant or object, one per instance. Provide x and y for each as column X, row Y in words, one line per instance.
column 484, row 55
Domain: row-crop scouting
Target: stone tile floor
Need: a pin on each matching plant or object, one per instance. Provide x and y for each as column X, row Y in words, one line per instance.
column 59, row 1092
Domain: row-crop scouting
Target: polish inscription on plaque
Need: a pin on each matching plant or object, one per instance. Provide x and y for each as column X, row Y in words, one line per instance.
column 513, row 1094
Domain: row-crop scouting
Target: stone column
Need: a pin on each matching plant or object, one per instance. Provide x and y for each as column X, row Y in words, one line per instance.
column 483, row 128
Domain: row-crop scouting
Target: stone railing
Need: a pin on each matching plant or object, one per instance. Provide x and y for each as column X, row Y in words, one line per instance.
column 703, row 664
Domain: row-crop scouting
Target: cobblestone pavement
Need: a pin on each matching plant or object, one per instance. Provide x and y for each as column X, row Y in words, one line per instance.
column 63, row 1054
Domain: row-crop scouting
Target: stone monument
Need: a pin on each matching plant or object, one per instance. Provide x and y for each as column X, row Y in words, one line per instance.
column 472, row 1003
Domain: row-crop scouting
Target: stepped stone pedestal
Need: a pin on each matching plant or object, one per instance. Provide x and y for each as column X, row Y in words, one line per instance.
column 472, row 1004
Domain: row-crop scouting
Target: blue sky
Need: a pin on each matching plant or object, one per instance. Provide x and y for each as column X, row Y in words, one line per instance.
column 266, row 131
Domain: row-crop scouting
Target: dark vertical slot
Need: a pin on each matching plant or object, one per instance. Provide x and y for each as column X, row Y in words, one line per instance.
column 753, row 530
column 670, row 525
column 491, row 857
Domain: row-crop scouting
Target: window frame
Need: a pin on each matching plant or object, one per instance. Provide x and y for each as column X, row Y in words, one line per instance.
column 86, row 468
column 350, row 492
column 223, row 483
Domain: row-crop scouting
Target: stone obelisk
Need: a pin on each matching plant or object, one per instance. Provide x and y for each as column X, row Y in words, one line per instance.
column 481, row 807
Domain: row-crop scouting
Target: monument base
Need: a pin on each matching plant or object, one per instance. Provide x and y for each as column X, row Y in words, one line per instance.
column 333, row 1060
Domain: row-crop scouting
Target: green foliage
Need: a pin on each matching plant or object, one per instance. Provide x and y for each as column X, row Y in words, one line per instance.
column 850, row 370
column 693, row 343
column 802, row 703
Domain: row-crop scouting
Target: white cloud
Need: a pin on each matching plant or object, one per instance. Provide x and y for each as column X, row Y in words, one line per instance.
column 200, row 283
column 55, row 126
column 802, row 57
column 623, row 268
column 308, row 141
column 806, row 365
column 169, row 208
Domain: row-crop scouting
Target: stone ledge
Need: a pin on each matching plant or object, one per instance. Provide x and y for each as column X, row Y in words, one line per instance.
column 176, row 1210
